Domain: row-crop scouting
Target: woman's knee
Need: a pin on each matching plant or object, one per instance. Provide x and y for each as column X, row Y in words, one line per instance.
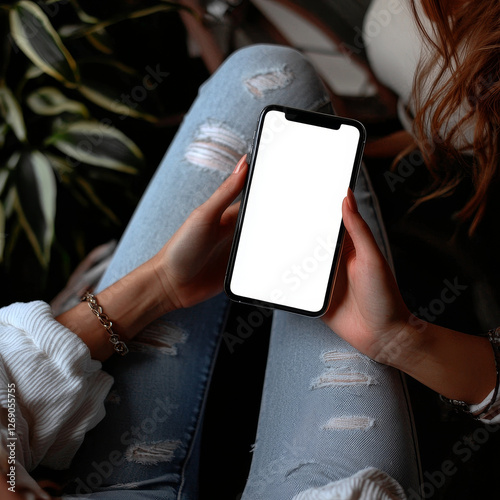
column 264, row 68
column 259, row 55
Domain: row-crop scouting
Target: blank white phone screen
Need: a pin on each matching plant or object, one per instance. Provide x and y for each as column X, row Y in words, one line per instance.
column 293, row 214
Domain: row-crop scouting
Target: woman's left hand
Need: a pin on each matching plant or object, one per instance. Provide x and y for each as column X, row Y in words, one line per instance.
column 191, row 266
column 367, row 309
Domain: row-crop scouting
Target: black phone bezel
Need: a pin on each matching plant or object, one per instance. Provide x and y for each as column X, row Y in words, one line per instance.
column 312, row 118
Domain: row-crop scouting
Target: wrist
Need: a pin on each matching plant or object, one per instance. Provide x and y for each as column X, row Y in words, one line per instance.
column 407, row 346
column 131, row 303
column 166, row 292
column 136, row 300
column 454, row 364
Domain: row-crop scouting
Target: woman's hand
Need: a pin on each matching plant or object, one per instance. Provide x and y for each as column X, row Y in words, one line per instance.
column 187, row 270
column 191, row 266
column 367, row 309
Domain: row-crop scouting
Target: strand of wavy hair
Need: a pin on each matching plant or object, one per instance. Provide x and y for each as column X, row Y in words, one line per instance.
column 465, row 44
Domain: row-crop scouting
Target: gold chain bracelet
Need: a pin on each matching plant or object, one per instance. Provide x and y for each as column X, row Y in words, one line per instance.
column 118, row 345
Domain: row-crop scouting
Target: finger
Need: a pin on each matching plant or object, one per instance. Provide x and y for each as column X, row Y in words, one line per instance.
column 359, row 231
column 226, row 193
column 228, row 220
column 348, row 245
column 231, row 214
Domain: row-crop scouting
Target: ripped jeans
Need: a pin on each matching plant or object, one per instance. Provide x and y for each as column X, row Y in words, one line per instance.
column 327, row 411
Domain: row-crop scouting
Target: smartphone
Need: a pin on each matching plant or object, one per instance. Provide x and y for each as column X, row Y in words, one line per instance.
column 289, row 233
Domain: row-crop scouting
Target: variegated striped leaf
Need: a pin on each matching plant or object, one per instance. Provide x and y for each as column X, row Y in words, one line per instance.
column 37, row 38
column 2, row 231
column 50, row 101
column 12, row 113
column 36, row 201
column 98, row 144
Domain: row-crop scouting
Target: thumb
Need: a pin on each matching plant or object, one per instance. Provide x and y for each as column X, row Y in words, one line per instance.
column 226, row 193
column 362, row 238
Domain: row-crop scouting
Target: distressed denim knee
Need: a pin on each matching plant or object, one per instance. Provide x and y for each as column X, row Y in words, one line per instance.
column 267, row 72
column 230, row 102
column 248, row 80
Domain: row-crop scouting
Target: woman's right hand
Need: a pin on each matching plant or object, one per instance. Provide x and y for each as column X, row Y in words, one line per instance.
column 192, row 264
column 367, row 309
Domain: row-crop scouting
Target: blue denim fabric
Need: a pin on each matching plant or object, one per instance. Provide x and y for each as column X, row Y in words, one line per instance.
column 147, row 446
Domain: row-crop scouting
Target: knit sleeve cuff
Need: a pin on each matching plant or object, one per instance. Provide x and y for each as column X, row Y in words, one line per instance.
column 61, row 390
column 492, row 416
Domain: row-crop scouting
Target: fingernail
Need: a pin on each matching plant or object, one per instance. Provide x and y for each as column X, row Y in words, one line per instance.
column 351, row 201
column 240, row 164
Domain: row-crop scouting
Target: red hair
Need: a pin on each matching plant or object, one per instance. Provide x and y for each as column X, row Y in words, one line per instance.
column 465, row 44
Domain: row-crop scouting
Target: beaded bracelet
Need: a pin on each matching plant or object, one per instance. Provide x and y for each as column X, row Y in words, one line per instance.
column 118, row 345
column 494, row 338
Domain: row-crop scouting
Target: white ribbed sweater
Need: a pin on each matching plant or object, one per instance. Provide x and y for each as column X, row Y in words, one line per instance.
column 59, row 389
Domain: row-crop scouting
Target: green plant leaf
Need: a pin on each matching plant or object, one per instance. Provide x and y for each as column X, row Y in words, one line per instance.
column 4, row 175
column 50, row 101
column 8, row 204
column 67, row 30
column 8, row 183
column 120, row 90
column 114, row 104
column 89, row 191
column 101, row 41
column 67, row 175
column 13, row 160
column 98, row 144
column 36, row 201
column 33, row 72
column 162, row 7
column 60, row 165
column 2, row 231
column 82, row 15
column 4, row 128
column 36, row 37
column 12, row 113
